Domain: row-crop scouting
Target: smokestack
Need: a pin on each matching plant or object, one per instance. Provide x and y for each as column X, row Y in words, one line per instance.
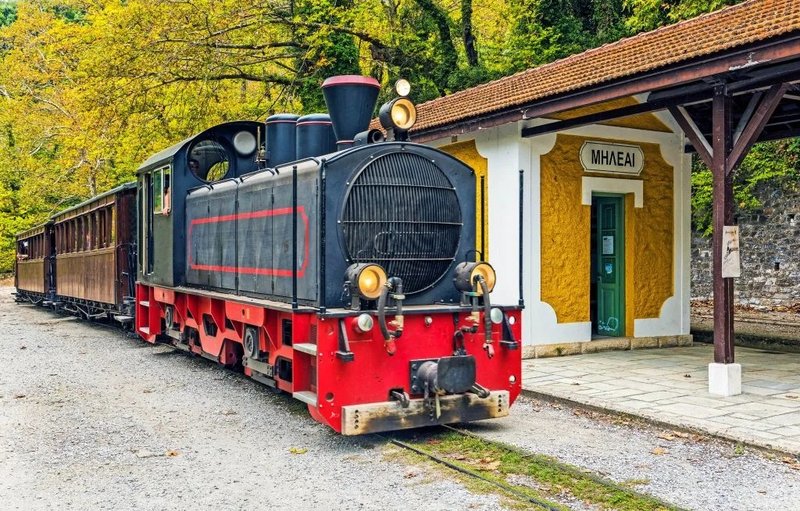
column 351, row 102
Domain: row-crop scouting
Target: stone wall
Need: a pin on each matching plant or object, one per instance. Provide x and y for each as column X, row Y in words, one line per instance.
column 770, row 251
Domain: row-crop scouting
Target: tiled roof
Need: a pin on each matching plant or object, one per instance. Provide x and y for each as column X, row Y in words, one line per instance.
column 740, row 25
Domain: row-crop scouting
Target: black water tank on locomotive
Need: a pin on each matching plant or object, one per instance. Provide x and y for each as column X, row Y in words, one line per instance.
column 281, row 138
column 315, row 136
column 407, row 207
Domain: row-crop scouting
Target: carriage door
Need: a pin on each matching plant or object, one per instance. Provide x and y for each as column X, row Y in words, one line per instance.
column 608, row 266
column 146, row 223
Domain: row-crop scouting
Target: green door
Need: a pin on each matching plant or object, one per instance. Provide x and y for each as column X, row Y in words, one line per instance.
column 608, row 266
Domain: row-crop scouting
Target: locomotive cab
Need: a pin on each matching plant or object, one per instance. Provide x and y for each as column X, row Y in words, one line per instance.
column 224, row 152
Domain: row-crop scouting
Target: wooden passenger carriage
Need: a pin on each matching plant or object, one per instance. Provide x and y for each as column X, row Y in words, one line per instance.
column 95, row 248
column 34, row 266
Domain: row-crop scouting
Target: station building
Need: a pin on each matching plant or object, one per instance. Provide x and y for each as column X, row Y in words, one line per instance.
column 605, row 230
column 603, row 142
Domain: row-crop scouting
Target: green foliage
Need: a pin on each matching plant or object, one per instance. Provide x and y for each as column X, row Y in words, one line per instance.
column 773, row 164
column 546, row 30
column 8, row 12
column 330, row 52
column 651, row 14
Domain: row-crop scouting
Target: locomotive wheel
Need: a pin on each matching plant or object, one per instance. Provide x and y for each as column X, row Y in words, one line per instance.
column 169, row 319
column 250, row 343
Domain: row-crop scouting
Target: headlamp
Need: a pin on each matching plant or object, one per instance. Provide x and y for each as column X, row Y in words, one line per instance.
column 366, row 279
column 402, row 87
column 399, row 114
column 468, row 272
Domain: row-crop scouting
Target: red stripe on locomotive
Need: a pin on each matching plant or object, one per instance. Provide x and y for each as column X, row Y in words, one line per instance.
column 278, row 272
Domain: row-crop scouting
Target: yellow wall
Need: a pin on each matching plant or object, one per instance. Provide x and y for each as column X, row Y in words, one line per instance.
column 468, row 153
column 565, row 236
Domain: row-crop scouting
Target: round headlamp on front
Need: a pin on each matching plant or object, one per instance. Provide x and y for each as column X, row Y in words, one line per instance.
column 467, row 274
column 366, row 279
column 399, row 114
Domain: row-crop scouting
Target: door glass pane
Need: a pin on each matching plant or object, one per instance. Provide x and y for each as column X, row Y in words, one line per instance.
column 157, row 190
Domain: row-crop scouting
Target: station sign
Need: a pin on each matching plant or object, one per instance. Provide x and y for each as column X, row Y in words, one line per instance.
column 612, row 158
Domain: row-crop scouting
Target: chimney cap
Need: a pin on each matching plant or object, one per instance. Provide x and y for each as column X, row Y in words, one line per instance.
column 351, row 80
column 292, row 118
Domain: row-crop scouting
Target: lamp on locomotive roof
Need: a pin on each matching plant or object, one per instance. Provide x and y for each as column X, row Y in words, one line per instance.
column 402, row 87
column 398, row 115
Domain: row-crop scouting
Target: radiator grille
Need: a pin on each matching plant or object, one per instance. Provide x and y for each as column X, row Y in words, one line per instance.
column 402, row 212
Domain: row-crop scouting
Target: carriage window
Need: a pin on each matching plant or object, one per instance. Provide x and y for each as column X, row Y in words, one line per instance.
column 91, row 235
column 81, row 231
column 209, row 160
column 87, row 233
column 22, row 250
column 101, row 228
column 111, row 233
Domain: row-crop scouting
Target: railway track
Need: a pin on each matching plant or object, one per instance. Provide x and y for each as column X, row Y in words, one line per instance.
column 538, row 503
column 553, row 485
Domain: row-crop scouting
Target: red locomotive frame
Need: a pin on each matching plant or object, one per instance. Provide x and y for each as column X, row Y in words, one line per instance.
column 351, row 396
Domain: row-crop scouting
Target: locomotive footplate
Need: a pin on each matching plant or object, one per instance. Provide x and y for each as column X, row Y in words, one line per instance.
column 391, row 415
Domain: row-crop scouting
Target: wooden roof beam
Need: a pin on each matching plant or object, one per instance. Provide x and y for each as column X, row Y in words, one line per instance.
column 693, row 133
column 752, row 128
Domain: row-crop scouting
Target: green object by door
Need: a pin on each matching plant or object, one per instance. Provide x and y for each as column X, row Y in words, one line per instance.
column 608, row 266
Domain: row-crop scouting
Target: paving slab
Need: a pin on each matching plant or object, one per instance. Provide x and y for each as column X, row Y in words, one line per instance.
column 670, row 385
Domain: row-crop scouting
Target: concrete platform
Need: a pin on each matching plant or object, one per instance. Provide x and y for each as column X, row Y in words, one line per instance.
column 670, row 386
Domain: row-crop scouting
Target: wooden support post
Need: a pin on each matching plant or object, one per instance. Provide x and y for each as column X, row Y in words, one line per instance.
column 722, row 143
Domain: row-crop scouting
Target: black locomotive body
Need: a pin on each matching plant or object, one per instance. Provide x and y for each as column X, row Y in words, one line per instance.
column 404, row 206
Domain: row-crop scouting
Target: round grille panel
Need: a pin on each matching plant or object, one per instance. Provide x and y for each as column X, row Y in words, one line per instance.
column 403, row 213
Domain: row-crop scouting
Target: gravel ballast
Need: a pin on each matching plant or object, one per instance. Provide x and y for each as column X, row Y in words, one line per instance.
column 687, row 470
column 91, row 418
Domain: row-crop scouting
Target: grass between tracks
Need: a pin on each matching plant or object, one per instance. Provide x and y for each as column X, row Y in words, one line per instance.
column 533, row 475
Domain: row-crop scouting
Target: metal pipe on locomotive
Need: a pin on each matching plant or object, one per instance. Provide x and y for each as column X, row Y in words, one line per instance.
column 329, row 263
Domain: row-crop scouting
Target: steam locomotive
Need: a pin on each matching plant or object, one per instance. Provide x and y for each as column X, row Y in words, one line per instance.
column 325, row 259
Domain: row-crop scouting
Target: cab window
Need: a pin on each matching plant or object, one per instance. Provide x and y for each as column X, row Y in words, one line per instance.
column 162, row 193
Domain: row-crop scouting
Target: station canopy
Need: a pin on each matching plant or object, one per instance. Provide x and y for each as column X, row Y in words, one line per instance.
column 728, row 79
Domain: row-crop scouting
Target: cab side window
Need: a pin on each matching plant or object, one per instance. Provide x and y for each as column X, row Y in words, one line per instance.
column 162, row 194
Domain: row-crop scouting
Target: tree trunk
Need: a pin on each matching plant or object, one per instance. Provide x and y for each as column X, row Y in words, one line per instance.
column 468, row 37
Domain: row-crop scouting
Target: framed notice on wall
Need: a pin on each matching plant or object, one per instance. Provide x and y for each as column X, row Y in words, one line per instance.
column 731, row 264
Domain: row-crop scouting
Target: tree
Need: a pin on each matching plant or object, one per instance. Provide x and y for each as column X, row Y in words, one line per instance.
column 8, row 12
